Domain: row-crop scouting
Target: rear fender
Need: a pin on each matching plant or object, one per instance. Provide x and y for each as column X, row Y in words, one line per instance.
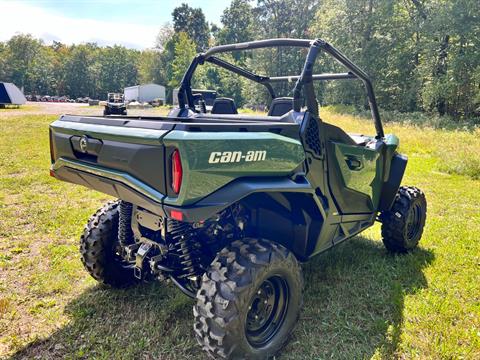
column 235, row 191
column 211, row 160
column 281, row 209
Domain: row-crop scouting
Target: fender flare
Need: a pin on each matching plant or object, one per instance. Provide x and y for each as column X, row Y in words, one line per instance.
column 236, row 191
column 391, row 186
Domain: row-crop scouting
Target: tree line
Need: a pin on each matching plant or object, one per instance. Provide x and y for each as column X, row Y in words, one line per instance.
column 423, row 55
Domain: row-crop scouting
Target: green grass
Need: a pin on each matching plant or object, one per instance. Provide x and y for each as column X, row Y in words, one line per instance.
column 360, row 301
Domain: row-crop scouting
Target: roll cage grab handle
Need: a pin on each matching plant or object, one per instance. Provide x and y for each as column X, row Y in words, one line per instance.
column 303, row 81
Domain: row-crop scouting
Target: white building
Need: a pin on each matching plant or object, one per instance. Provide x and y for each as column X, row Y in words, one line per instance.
column 145, row 93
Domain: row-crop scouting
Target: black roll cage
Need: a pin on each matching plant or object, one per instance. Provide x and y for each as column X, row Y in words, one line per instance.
column 303, row 81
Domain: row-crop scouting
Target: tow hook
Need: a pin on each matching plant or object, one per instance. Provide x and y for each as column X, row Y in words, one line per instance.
column 139, row 259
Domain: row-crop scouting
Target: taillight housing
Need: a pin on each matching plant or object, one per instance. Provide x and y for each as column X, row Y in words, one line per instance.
column 52, row 149
column 177, row 171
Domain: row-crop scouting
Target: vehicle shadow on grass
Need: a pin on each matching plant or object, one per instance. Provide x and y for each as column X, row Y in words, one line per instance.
column 354, row 301
column 353, row 308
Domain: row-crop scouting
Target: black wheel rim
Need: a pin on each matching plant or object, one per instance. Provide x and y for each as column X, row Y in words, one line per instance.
column 267, row 310
column 414, row 220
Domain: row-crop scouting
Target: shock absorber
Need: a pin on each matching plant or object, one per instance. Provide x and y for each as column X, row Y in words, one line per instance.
column 125, row 233
column 182, row 239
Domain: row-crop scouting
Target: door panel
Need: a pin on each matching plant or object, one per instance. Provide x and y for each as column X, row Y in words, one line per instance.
column 358, row 167
column 354, row 172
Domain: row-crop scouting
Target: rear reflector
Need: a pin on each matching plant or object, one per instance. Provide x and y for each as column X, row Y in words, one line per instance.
column 177, row 171
column 52, row 173
column 176, row 215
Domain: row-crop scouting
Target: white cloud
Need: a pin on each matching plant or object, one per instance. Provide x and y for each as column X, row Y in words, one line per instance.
column 18, row 17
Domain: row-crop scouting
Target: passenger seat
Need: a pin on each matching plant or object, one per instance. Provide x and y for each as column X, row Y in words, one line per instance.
column 224, row 106
column 280, row 106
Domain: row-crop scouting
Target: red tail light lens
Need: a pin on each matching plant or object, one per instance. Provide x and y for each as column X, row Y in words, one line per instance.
column 177, row 171
column 52, row 150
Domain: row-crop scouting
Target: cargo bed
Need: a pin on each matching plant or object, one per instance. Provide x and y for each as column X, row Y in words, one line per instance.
column 130, row 157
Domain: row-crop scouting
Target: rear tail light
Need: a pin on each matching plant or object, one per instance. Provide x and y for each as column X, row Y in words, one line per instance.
column 52, row 150
column 177, row 171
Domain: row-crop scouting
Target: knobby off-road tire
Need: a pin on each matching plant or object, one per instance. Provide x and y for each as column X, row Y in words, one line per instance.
column 402, row 225
column 247, row 278
column 98, row 248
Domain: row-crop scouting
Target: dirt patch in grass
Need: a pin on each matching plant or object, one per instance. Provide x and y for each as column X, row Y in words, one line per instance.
column 46, row 108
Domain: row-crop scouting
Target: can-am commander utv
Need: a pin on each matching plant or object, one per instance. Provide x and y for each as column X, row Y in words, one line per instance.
column 227, row 206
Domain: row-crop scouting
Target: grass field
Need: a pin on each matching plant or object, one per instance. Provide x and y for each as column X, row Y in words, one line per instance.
column 360, row 302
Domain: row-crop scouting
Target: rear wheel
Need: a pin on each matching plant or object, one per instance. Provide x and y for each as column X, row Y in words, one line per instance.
column 249, row 300
column 99, row 248
column 402, row 225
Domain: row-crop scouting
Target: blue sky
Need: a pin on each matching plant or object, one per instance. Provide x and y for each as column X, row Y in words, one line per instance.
column 131, row 23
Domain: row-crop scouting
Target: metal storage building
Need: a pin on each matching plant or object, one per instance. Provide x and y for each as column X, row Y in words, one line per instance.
column 11, row 95
column 145, row 93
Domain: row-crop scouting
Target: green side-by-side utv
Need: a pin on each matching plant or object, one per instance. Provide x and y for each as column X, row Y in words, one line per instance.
column 227, row 206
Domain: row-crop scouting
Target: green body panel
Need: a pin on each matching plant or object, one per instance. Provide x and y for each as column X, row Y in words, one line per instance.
column 392, row 141
column 114, row 133
column 277, row 156
column 367, row 177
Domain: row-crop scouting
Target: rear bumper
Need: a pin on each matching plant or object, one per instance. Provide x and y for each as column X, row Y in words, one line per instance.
column 115, row 183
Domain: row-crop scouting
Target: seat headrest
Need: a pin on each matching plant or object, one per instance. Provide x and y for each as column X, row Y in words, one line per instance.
column 224, row 106
column 280, row 106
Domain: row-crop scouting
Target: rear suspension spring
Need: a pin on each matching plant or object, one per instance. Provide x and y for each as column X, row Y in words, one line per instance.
column 125, row 233
column 184, row 242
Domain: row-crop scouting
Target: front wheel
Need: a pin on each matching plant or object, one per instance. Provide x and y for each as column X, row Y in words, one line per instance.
column 249, row 301
column 402, row 225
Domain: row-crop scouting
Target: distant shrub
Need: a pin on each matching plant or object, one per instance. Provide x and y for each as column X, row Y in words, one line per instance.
column 421, row 119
